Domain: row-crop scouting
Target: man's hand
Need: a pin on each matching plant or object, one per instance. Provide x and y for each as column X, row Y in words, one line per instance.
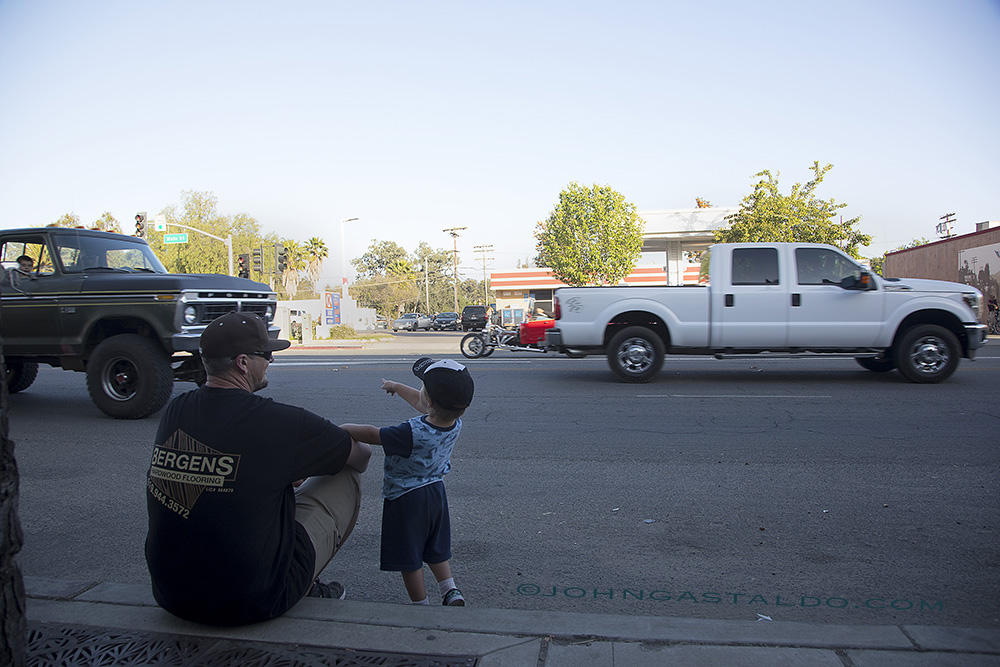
column 390, row 387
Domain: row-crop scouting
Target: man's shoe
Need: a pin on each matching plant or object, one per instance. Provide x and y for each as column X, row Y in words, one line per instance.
column 453, row 598
column 333, row 590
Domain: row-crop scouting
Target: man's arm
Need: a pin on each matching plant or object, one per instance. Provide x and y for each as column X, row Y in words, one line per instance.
column 359, row 456
column 414, row 397
column 363, row 433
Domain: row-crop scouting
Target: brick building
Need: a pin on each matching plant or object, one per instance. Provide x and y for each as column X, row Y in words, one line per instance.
column 972, row 259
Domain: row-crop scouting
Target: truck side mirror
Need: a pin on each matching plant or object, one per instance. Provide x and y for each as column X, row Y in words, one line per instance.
column 860, row 283
column 849, row 282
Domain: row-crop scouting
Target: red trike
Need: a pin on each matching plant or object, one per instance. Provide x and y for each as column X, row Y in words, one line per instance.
column 528, row 337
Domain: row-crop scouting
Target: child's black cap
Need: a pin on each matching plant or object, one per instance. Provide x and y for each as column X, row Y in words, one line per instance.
column 448, row 383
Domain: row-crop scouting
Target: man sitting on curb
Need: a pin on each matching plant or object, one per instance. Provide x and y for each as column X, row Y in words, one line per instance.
column 230, row 541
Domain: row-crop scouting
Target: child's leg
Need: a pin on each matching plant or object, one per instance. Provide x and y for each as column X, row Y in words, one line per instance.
column 450, row 595
column 442, row 570
column 414, row 582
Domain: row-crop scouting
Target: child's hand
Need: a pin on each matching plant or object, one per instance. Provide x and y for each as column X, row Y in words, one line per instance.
column 389, row 386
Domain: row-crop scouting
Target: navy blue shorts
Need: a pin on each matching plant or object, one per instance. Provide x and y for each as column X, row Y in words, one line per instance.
column 416, row 529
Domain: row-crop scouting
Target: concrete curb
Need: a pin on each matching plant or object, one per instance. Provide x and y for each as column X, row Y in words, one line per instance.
column 501, row 637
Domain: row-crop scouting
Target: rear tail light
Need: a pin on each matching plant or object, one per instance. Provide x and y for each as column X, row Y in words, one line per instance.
column 558, row 311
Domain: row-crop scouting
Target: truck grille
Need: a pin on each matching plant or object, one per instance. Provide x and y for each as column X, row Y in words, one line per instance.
column 209, row 311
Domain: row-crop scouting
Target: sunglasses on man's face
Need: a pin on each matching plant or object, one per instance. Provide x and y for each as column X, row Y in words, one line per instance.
column 263, row 355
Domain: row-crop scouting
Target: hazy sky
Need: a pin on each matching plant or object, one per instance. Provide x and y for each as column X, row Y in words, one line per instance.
column 417, row 116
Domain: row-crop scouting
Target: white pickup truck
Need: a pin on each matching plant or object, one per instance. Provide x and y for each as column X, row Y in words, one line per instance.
column 776, row 299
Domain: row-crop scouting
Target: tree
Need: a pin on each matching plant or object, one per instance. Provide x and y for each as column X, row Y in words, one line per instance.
column 382, row 258
column 66, row 220
column 388, row 279
column 201, row 254
column 204, row 254
column 878, row 263
column 702, row 203
column 391, row 281
column 295, row 262
column 389, row 295
column 107, row 223
column 13, row 625
column 440, row 278
column 593, row 236
column 769, row 216
column 315, row 252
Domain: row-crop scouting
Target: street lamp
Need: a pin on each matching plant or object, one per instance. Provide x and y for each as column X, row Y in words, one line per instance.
column 343, row 262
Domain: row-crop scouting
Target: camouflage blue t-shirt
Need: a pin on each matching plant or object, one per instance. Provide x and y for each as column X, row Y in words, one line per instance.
column 417, row 453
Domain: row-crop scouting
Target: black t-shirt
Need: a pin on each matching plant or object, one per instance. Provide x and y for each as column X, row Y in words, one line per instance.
column 223, row 545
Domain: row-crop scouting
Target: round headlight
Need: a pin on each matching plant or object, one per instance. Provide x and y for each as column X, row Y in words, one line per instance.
column 269, row 313
column 190, row 315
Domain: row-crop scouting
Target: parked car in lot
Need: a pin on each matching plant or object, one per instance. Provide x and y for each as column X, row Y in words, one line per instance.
column 446, row 321
column 473, row 318
column 412, row 322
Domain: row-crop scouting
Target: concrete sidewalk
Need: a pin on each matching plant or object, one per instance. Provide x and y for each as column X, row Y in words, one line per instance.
column 76, row 622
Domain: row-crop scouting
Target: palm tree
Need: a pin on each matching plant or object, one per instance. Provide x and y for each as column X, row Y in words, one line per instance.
column 290, row 276
column 315, row 252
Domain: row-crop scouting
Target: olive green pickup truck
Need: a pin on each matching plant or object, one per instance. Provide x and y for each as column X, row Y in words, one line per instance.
column 103, row 304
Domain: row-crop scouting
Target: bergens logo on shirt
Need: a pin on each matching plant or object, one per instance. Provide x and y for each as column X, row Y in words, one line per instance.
column 186, row 461
column 182, row 468
column 203, row 468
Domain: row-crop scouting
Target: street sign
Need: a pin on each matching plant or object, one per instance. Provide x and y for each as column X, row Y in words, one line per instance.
column 175, row 238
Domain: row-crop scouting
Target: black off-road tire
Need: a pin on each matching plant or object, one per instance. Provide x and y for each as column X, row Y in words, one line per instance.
column 20, row 375
column 927, row 353
column 876, row 364
column 129, row 377
column 635, row 354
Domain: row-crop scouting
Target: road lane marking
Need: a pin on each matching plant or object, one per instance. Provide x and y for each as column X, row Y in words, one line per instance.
column 782, row 396
column 375, row 362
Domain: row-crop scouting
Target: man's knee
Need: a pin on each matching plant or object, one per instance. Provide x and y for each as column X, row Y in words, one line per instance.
column 327, row 506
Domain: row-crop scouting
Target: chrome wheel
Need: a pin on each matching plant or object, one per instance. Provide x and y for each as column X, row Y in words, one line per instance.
column 636, row 355
column 929, row 354
column 472, row 346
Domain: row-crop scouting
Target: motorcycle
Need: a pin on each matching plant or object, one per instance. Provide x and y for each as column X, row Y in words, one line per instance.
column 528, row 337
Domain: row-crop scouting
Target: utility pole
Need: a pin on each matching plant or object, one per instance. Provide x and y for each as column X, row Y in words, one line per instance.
column 484, row 250
column 944, row 228
column 454, row 236
column 427, row 290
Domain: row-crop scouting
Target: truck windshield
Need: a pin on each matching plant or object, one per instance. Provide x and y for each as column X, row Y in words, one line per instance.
column 94, row 253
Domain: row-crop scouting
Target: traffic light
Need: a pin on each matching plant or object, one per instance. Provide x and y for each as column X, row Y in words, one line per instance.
column 282, row 259
column 243, row 271
column 257, row 263
column 140, row 224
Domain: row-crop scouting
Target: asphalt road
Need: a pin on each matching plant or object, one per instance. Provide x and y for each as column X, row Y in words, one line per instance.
column 802, row 490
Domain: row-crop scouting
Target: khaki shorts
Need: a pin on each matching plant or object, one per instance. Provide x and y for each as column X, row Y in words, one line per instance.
column 327, row 506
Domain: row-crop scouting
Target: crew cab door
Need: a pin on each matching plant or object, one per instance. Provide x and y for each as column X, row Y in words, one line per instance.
column 750, row 305
column 30, row 300
column 824, row 314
